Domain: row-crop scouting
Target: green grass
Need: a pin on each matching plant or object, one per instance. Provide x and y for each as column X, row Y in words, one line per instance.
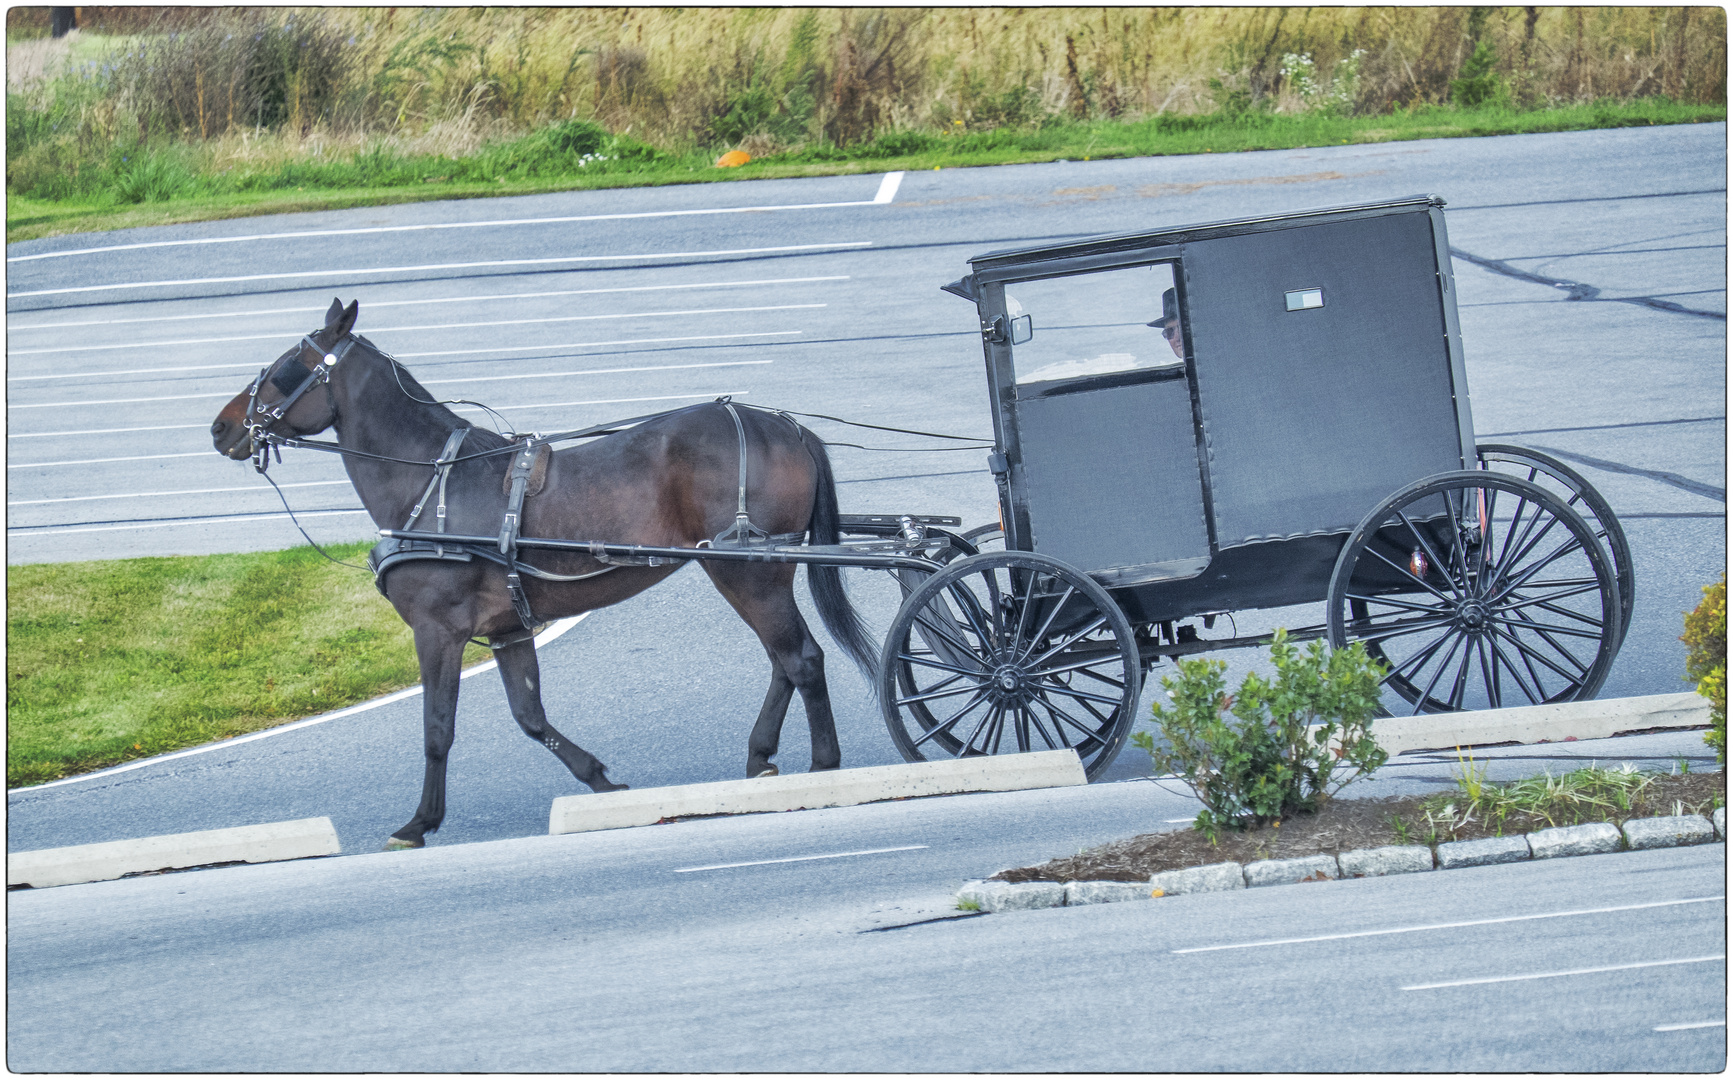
column 169, row 183
column 108, row 661
column 1546, row 801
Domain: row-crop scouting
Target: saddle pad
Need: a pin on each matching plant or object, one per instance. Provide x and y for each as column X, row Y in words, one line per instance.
column 538, row 473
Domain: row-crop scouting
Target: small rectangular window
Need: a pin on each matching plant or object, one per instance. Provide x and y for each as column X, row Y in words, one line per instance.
column 1301, row 299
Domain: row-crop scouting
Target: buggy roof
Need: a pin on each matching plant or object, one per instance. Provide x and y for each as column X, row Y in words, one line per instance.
column 1182, row 234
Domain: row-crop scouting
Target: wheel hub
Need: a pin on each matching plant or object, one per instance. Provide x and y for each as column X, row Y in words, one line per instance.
column 1007, row 683
column 1473, row 614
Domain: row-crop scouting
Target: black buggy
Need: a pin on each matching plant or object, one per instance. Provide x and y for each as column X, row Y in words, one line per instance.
column 1191, row 422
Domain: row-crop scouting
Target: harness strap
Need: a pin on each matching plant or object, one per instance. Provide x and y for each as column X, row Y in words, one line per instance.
column 743, row 533
column 441, row 473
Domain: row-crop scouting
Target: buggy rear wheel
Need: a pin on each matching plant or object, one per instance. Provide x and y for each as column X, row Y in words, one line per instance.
column 1477, row 590
column 1005, row 652
column 1579, row 495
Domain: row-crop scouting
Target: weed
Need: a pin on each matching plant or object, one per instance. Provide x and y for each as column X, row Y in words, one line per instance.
column 968, row 905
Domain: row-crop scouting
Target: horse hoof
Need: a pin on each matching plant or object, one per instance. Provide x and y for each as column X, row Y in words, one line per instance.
column 397, row 843
column 771, row 771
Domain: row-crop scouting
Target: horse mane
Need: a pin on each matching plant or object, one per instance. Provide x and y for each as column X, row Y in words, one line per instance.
column 479, row 438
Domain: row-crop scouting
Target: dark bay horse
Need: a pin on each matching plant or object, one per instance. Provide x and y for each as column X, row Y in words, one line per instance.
column 671, row 481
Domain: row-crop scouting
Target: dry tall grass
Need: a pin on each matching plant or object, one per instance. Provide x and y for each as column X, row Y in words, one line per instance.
column 784, row 76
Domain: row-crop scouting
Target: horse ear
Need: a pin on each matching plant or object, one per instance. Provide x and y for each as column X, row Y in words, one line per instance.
column 334, row 312
column 346, row 322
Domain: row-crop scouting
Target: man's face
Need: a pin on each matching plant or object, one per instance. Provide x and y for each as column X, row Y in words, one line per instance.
column 1174, row 337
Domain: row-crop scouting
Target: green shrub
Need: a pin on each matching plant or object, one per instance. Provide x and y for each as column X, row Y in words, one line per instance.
column 1299, row 738
column 1706, row 660
column 1478, row 84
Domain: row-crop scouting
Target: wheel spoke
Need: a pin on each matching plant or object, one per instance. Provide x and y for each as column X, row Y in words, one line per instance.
column 1094, row 625
column 1047, row 623
column 948, row 634
column 1444, row 665
column 1488, row 674
column 938, row 691
column 1461, row 684
column 1498, row 657
column 971, row 608
column 1530, row 652
column 1570, row 657
column 1565, row 548
column 1406, row 605
column 1061, row 716
column 1081, row 695
column 980, row 696
column 1390, row 630
column 1409, row 574
column 1426, row 545
column 1418, row 660
column 1543, row 628
column 940, row 665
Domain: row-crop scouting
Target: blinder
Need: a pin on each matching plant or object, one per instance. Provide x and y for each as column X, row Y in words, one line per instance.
column 292, row 384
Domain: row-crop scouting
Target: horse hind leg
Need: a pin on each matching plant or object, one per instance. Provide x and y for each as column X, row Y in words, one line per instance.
column 521, row 673
column 764, row 598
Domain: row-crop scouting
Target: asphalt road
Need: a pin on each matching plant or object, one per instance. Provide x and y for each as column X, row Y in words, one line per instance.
column 827, row 941
column 1591, row 280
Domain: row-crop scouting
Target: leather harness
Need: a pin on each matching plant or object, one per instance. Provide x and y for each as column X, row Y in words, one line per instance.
column 525, row 478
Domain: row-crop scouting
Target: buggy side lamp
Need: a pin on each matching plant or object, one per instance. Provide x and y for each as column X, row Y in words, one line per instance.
column 1304, row 299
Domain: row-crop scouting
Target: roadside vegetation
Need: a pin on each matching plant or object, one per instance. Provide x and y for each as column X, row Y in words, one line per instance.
column 108, row 661
column 173, row 114
column 1473, row 810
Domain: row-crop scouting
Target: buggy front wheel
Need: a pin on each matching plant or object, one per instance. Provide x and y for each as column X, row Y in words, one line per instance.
column 1477, row 590
column 1006, row 652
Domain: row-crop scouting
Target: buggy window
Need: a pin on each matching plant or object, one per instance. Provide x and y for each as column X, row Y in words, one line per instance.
column 1095, row 324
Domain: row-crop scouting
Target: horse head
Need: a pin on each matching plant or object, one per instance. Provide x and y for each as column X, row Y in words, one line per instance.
column 279, row 400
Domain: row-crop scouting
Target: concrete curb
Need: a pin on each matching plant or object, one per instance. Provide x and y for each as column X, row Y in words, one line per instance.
column 307, row 838
column 811, row 791
column 1541, row 723
column 1637, row 834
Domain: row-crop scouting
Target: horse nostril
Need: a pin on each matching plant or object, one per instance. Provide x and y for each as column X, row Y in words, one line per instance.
column 218, row 428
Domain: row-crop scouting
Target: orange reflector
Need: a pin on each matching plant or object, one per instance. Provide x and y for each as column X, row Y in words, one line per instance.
column 733, row 158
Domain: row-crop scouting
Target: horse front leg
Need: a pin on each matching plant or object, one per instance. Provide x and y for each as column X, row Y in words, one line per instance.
column 440, row 653
column 521, row 673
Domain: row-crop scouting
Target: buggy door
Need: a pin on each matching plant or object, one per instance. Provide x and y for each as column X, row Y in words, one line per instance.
column 1107, row 438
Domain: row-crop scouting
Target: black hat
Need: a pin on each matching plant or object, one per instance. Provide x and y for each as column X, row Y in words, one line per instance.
column 1169, row 309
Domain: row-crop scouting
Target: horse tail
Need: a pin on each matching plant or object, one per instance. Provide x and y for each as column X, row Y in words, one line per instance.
column 828, row 593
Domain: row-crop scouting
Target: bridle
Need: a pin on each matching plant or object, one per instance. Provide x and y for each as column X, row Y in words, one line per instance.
column 259, row 417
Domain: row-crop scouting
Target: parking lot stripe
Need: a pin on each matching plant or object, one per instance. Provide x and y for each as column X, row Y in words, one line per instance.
column 1562, row 974
column 390, row 330
column 482, row 265
column 887, row 191
column 319, row 309
column 1455, row 925
column 1691, row 1026
column 799, row 858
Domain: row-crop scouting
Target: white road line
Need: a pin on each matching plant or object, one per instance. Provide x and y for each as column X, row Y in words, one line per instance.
column 552, row 632
column 383, row 330
column 104, row 431
column 1453, row 925
column 497, row 408
column 106, row 460
column 1691, row 1026
column 373, row 305
column 887, row 191
column 185, row 522
column 609, row 401
column 599, row 344
column 484, row 378
column 442, row 266
column 799, row 858
column 160, row 494
column 1562, row 974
